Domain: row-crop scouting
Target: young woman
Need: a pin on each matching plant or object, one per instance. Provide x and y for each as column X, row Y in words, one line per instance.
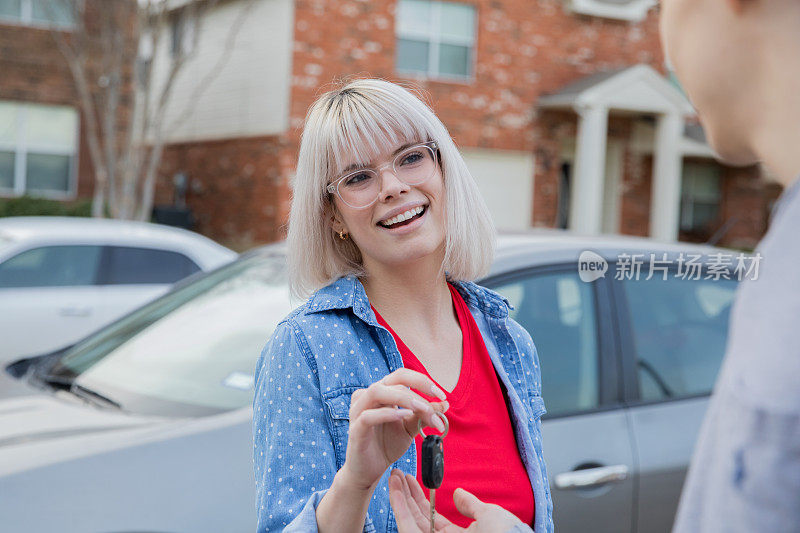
column 387, row 229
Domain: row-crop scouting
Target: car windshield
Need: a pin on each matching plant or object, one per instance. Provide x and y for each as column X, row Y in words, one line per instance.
column 191, row 352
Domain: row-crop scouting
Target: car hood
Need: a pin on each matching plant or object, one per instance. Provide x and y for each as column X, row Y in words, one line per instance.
column 41, row 429
column 74, row 468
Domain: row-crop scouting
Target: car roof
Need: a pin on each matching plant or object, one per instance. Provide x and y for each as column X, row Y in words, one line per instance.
column 538, row 247
column 54, row 230
column 542, row 246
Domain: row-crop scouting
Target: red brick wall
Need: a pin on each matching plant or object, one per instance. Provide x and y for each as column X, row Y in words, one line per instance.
column 525, row 48
column 746, row 201
column 637, row 187
column 236, row 190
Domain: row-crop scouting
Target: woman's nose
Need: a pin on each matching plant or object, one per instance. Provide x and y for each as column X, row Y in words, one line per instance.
column 391, row 185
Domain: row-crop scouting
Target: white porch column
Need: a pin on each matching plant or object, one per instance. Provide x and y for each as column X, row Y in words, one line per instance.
column 665, row 199
column 586, row 202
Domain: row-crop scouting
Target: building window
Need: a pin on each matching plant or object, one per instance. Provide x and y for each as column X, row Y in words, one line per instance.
column 38, row 12
column 436, row 39
column 700, row 196
column 38, row 147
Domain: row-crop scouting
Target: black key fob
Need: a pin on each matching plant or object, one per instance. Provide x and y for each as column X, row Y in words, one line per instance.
column 432, row 461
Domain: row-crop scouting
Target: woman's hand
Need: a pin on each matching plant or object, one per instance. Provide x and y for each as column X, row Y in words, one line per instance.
column 412, row 510
column 383, row 423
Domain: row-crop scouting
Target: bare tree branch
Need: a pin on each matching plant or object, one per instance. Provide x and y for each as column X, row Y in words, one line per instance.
column 75, row 55
column 116, row 59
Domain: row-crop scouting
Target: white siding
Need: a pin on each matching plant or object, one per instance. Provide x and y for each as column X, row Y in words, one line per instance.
column 505, row 179
column 250, row 94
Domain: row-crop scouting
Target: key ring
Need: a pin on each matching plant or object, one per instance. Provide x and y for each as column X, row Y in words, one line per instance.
column 444, row 419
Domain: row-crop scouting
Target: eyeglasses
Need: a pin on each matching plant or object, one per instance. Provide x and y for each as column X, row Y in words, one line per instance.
column 361, row 188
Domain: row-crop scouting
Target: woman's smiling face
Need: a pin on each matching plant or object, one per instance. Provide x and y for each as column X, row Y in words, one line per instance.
column 402, row 243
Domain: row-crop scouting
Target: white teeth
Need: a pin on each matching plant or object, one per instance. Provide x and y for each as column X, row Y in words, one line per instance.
column 403, row 216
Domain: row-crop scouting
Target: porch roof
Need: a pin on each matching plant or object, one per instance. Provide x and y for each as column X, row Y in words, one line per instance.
column 639, row 88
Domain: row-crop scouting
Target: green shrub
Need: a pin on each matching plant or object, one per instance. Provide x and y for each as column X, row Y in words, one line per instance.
column 30, row 206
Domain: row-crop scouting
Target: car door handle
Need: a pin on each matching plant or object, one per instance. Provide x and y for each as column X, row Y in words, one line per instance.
column 591, row 477
column 74, row 310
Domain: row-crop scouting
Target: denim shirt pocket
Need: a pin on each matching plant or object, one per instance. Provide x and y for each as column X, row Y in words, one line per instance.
column 337, row 403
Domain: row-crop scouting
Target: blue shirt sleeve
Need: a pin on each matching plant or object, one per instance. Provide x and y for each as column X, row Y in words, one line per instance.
column 293, row 451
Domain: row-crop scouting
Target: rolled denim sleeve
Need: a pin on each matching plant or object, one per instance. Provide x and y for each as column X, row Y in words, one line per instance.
column 293, row 451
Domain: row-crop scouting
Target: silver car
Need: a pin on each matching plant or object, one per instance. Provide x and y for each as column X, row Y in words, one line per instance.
column 146, row 425
column 63, row 277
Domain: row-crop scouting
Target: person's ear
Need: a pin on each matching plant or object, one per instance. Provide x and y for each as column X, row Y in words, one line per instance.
column 335, row 219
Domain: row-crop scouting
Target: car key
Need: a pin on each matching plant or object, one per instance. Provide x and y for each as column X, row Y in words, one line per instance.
column 432, row 462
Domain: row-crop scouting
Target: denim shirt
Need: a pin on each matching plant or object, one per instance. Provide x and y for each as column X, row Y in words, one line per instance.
column 329, row 347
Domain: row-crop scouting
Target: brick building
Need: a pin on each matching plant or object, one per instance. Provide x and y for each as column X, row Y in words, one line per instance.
column 564, row 111
column 42, row 149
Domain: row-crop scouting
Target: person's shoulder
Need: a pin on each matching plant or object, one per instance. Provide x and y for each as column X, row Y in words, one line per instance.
column 312, row 304
column 485, row 299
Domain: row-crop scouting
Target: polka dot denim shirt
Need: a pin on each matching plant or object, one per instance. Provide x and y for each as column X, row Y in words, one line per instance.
column 329, row 347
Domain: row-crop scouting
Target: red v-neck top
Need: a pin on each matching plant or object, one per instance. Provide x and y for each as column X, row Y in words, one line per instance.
column 480, row 450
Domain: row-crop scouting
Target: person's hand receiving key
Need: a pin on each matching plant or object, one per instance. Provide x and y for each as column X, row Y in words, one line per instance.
column 412, row 510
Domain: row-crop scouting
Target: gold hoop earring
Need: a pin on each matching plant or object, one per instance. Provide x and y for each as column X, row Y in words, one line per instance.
column 342, row 235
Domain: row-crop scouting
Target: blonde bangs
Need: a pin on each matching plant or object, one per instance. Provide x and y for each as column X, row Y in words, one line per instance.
column 359, row 130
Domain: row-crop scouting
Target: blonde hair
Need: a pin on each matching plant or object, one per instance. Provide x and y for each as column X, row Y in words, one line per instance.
column 355, row 124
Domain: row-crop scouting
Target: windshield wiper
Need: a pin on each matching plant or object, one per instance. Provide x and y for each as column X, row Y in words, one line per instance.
column 93, row 396
column 85, row 393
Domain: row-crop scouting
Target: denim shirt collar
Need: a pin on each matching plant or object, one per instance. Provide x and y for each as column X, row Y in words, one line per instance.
column 348, row 292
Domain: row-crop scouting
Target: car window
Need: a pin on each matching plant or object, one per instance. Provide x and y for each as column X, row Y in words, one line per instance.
column 679, row 329
column 51, row 266
column 130, row 266
column 558, row 310
column 192, row 351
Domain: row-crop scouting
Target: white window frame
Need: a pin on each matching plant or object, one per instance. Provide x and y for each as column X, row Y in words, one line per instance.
column 21, row 149
column 26, row 19
column 434, row 40
column 634, row 10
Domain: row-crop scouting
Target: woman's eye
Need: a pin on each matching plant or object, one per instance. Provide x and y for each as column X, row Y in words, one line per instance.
column 410, row 159
column 357, row 179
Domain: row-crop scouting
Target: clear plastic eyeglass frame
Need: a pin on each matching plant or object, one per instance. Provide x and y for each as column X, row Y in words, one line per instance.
column 333, row 187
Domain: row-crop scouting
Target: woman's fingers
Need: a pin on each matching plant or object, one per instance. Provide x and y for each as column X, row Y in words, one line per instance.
column 382, row 394
column 415, row 380
column 382, row 415
column 378, row 394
